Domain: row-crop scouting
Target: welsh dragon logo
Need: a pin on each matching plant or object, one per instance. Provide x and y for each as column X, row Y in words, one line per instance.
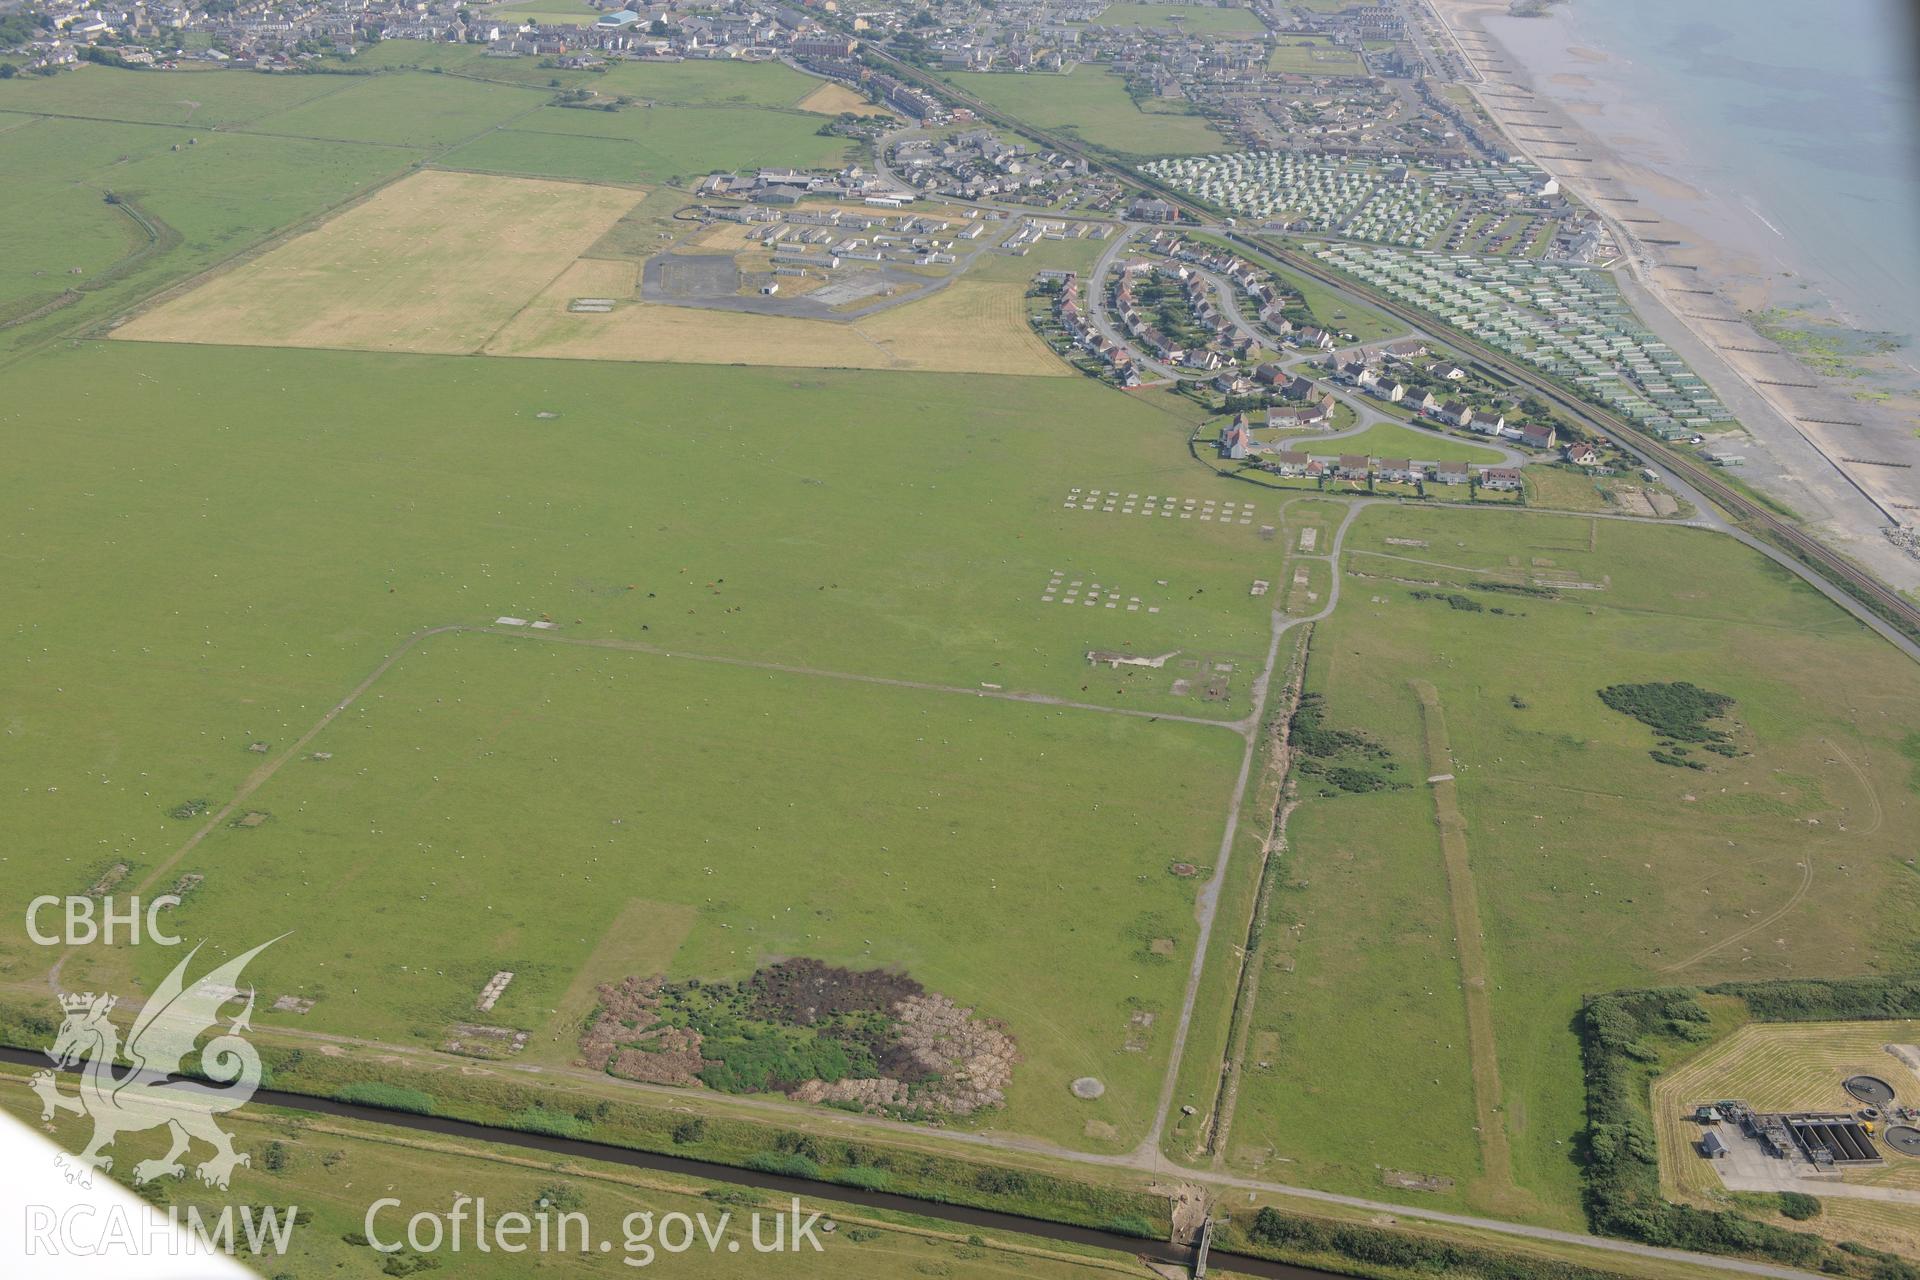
column 148, row 1096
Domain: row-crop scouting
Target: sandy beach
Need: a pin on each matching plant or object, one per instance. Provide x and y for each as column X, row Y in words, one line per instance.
column 1695, row 264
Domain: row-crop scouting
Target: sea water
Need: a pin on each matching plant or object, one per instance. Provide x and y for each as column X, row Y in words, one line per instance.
column 1800, row 119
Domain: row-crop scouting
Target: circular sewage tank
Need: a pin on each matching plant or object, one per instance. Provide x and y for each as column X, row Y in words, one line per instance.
column 1871, row 1090
column 1904, row 1138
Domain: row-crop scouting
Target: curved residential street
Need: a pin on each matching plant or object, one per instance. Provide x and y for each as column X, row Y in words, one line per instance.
column 1097, row 310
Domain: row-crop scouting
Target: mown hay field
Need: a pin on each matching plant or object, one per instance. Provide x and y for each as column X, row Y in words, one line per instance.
column 185, row 199
column 832, row 99
column 1793, row 1066
column 434, row 263
column 1876, row 1223
column 968, row 327
column 1779, row 1066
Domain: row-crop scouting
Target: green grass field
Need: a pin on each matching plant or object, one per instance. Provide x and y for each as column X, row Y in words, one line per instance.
column 785, row 530
column 578, row 8
column 1359, row 946
column 1313, row 56
column 198, row 191
column 560, row 11
column 498, row 803
column 465, row 59
column 1092, row 105
column 1387, row 440
column 557, row 155
column 334, row 1171
column 52, row 159
column 1184, row 17
column 214, row 195
column 712, row 83
column 406, row 110
column 202, row 99
column 1363, row 322
column 656, row 143
column 1595, row 866
column 1564, row 489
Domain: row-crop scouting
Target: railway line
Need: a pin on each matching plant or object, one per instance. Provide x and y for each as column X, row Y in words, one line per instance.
column 1890, row 605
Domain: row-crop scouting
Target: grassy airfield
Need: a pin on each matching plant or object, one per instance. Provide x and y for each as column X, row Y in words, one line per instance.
column 285, row 520
column 755, row 574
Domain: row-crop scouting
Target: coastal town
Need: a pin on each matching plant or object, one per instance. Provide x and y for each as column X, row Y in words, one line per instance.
column 1353, row 147
column 1334, row 81
column 658, row 562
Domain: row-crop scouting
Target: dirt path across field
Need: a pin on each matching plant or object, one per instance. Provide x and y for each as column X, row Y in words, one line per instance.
column 1242, row 727
column 1276, row 796
column 1497, row 1186
column 1878, row 816
column 1208, row 903
column 261, row 776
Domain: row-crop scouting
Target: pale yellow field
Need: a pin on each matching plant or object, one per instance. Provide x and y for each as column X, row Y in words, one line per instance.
column 1892, row 1227
column 969, row 327
column 1794, row 1066
column 836, row 99
column 437, row 262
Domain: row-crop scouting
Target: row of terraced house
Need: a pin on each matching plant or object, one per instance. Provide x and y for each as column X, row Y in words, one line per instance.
column 1236, row 443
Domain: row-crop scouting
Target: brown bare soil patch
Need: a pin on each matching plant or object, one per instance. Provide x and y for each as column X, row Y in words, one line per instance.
column 837, row 100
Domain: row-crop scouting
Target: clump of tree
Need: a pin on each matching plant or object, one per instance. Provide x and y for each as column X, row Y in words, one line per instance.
column 1799, row 1206
column 1681, row 713
column 588, row 100
column 106, row 57
column 1345, row 759
column 1286, row 1235
column 1828, row 999
column 1516, row 589
column 1465, row 604
column 1675, row 709
column 19, row 28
